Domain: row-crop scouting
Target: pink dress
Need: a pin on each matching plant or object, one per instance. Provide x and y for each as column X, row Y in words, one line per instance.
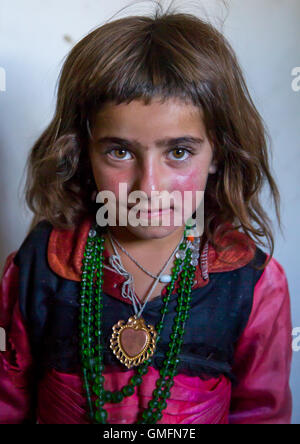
column 262, row 355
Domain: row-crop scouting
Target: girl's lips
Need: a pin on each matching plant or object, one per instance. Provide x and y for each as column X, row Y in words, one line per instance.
column 156, row 212
column 152, row 211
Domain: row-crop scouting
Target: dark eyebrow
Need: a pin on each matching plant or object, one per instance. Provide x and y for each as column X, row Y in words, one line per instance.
column 161, row 143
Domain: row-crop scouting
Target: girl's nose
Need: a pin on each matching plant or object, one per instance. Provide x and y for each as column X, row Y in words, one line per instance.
column 150, row 177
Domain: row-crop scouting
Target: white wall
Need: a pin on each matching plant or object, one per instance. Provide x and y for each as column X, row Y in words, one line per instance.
column 36, row 35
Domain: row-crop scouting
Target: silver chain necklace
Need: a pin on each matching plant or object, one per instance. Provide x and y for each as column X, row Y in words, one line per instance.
column 165, row 278
column 128, row 291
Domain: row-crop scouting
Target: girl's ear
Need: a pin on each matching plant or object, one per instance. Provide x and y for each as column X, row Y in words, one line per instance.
column 212, row 168
column 94, row 195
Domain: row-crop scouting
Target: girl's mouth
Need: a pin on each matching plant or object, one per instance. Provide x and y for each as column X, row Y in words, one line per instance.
column 154, row 213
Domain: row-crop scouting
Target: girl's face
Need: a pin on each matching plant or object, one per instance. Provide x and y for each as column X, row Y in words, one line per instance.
column 160, row 147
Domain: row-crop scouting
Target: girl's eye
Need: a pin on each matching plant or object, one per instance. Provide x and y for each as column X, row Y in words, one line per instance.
column 179, row 153
column 119, row 153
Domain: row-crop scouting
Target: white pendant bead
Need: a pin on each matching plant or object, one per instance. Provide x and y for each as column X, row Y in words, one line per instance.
column 165, row 278
column 180, row 254
column 92, row 233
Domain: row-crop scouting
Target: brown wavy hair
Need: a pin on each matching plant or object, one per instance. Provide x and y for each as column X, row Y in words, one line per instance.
column 165, row 55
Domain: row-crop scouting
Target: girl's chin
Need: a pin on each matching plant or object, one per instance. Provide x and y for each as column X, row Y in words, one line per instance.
column 151, row 232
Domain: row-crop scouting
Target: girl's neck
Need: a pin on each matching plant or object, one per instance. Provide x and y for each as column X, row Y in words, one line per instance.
column 145, row 246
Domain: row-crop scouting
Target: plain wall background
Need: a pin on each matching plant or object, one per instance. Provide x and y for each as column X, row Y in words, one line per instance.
column 35, row 37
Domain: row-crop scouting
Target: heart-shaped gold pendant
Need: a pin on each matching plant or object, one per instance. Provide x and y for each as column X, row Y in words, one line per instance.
column 133, row 342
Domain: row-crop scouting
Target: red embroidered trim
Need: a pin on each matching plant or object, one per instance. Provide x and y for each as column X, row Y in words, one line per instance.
column 66, row 248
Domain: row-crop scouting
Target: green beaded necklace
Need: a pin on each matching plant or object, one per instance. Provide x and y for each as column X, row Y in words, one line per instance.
column 91, row 346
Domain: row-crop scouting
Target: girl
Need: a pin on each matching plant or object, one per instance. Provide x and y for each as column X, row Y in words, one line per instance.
column 147, row 323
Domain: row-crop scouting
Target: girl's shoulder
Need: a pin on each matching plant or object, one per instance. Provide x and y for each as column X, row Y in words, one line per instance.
column 56, row 248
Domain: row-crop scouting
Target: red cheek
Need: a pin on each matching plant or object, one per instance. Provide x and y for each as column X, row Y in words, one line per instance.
column 189, row 182
column 111, row 182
